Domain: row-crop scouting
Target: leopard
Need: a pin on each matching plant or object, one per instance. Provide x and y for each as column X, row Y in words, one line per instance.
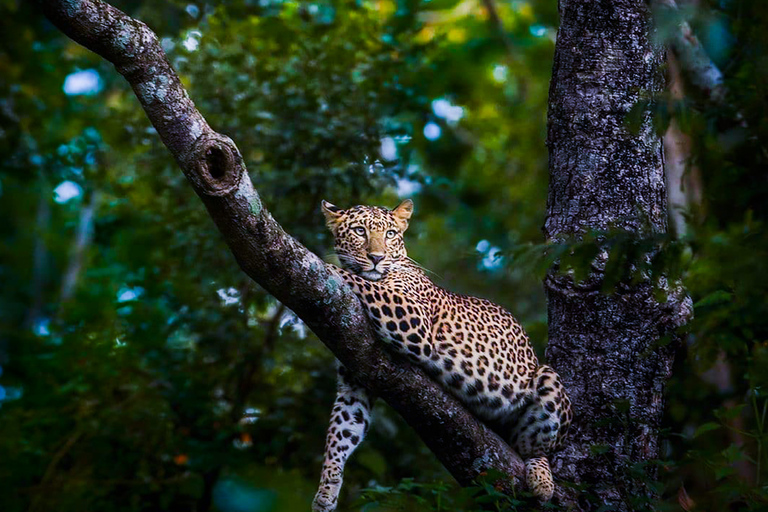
column 475, row 349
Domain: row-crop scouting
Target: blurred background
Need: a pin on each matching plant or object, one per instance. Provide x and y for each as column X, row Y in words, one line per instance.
column 141, row 370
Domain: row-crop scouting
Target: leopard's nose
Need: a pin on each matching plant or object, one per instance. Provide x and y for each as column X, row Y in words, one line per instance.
column 375, row 258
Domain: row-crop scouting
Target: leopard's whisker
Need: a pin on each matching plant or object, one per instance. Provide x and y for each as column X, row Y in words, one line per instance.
column 422, row 267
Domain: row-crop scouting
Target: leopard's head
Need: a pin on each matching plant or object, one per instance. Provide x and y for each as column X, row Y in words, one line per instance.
column 369, row 239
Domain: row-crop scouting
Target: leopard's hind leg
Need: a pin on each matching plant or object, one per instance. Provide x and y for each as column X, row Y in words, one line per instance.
column 350, row 419
column 541, row 429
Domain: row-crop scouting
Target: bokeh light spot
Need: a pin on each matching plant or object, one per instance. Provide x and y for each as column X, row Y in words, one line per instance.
column 537, row 30
column 86, row 82
column 432, row 131
column 500, row 73
column 129, row 294
column 388, row 149
column 65, row 191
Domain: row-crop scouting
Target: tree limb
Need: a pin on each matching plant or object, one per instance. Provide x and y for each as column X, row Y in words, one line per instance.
column 498, row 25
column 286, row 269
column 698, row 67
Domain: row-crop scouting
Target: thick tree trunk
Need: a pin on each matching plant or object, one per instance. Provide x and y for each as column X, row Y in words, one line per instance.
column 605, row 177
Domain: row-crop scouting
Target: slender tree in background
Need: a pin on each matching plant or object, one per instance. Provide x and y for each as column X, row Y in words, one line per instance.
column 607, row 178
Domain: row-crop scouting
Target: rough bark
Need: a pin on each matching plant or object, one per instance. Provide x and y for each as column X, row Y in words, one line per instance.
column 299, row 279
column 605, row 177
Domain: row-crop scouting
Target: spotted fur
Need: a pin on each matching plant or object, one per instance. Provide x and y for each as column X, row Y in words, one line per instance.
column 473, row 347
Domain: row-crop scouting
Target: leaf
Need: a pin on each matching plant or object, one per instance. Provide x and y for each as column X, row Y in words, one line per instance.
column 716, row 298
column 369, row 507
column 374, row 461
column 636, row 116
column 707, row 427
column 733, row 453
column 723, row 471
column 730, row 413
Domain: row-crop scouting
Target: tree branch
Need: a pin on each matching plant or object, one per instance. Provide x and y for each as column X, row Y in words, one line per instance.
column 698, row 67
column 498, row 25
column 286, row 269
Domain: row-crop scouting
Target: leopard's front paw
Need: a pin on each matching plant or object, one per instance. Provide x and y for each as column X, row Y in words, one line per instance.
column 325, row 499
column 328, row 494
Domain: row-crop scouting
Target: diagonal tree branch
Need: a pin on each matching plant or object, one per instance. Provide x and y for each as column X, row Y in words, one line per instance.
column 298, row 278
column 498, row 25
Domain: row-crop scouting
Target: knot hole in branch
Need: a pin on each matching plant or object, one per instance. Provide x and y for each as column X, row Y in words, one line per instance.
column 216, row 165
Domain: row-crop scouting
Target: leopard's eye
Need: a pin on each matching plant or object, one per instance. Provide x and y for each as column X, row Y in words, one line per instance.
column 359, row 230
column 391, row 233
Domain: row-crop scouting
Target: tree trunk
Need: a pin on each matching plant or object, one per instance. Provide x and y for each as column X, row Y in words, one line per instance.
column 39, row 261
column 605, row 177
column 83, row 238
column 683, row 178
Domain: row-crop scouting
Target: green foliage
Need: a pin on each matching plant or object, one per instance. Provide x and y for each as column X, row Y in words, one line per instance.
column 160, row 378
column 486, row 494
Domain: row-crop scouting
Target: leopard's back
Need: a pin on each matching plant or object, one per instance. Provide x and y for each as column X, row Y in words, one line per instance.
column 486, row 356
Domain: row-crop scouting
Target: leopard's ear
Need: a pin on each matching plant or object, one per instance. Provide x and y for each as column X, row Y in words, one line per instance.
column 403, row 212
column 332, row 215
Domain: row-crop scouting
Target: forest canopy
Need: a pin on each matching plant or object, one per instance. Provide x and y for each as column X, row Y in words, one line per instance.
column 140, row 369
